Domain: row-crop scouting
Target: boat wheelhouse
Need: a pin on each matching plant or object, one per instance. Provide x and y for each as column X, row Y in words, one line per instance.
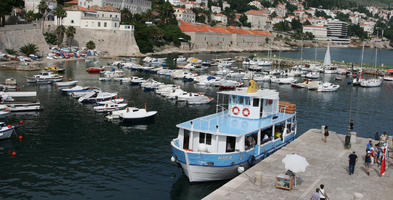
column 249, row 125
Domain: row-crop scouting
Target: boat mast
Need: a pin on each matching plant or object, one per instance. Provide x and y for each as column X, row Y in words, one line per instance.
column 315, row 55
column 361, row 60
column 301, row 53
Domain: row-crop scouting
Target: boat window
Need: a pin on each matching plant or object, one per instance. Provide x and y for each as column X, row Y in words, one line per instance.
column 247, row 101
column 205, row 138
column 266, row 135
column 234, row 99
column 255, row 102
column 186, row 139
column 278, row 130
column 251, row 141
column 241, row 100
column 231, row 142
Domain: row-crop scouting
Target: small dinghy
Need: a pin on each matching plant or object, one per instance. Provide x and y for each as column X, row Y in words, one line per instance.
column 4, row 111
column 109, row 107
column 5, row 131
column 66, row 83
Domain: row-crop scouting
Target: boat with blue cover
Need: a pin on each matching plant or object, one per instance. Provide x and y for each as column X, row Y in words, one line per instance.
column 249, row 125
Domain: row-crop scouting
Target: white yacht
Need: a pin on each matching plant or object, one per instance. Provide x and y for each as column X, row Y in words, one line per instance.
column 327, row 87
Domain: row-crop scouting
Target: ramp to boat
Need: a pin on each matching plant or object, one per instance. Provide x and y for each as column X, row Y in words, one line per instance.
column 328, row 166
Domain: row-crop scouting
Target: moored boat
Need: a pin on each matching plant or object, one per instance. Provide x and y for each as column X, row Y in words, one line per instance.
column 5, row 131
column 220, row 146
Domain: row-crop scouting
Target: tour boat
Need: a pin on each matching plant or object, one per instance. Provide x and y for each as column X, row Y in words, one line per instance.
column 5, row 131
column 220, row 146
column 327, row 87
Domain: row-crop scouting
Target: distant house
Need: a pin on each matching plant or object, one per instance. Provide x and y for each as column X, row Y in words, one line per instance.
column 225, row 5
column 134, row 6
column 183, row 14
column 94, row 17
column 257, row 18
column 320, row 32
column 220, row 18
column 257, row 4
column 33, row 4
column 216, row 9
column 276, row 20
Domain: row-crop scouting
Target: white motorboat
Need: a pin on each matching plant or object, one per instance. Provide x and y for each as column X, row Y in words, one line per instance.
column 66, row 83
column 388, row 75
column 4, row 111
column 23, row 107
column 44, row 77
column 109, row 107
column 6, row 131
column 75, row 89
column 136, row 114
column 330, row 70
column 137, row 80
column 96, row 96
column 186, row 96
column 312, row 75
column 375, row 82
column 327, row 87
column 197, row 100
column 288, row 80
column 118, row 100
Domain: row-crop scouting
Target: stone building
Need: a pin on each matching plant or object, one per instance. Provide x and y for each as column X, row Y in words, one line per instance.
column 320, row 32
column 186, row 15
column 135, row 6
column 257, row 18
column 33, row 5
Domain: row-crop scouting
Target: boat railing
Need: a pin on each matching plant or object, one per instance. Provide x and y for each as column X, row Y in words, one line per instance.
column 221, row 107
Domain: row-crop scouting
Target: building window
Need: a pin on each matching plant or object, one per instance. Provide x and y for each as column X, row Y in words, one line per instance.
column 99, row 24
column 104, row 24
column 111, row 16
column 72, row 21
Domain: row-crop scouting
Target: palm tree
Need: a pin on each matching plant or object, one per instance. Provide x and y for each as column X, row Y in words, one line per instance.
column 29, row 49
column 70, row 33
column 60, row 30
column 60, row 13
column 90, row 45
column 43, row 9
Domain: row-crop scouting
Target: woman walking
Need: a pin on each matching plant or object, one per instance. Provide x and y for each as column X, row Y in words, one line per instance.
column 326, row 134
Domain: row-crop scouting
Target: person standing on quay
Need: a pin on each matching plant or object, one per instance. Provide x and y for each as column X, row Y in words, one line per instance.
column 376, row 136
column 315, row 195
column 351, row 125
column 367, row 162
column 322, row 193
column 352, row 161
column 326, row 134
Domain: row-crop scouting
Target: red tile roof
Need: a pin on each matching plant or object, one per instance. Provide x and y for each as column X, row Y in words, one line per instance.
column 187, row 27
column 75, row 8
column 72, row 2
column 255, row 12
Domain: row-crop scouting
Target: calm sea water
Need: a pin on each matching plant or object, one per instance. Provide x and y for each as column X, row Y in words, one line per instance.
column 71, row 152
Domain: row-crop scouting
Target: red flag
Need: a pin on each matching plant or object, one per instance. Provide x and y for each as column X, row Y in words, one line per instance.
column 383, row 162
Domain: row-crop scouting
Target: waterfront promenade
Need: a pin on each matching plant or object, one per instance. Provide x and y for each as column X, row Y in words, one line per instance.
column 328, row 166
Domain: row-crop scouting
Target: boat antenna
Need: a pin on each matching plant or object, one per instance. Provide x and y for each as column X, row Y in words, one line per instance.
column 347, row 143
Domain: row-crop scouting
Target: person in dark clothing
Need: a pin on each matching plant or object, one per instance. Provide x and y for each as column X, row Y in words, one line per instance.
column 351, row 125
column 367, row 162
column 326, row 134
column 376, row 137
column 352, row 161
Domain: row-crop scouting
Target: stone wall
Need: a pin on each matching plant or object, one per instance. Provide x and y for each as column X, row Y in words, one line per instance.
column 110, row 42
column 16, row 36
column 226, row 42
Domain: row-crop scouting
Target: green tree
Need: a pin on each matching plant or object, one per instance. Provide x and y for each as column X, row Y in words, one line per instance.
column 10, row 51
column 343, row 17
column 70, row 33
column 29, row 49
column 274, row 14
column 290, row 7
column 29, row 16
column 60, row 30
column 90, row 45
column 357, row 30
column 50, row 38
column 282, row 26
column 60, row 14
column 243, row 20
column 6, row 7
column 307, row 22
column 296, row 25
column 43, row 9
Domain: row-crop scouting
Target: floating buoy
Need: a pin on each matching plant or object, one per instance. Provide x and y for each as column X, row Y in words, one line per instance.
column 18, row 89
column 20, row 122
column 70, row 79
column 9, row 126
column 5, row 110
column 13, row 153
column 20, row 137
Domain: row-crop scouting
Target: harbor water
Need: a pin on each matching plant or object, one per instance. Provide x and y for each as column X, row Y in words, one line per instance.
column 70, row 152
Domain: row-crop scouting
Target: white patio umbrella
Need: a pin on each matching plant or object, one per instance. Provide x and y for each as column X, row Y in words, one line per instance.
column 295, row 163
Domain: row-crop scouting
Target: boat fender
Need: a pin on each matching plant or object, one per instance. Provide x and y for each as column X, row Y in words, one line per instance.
column 246, row 112
column 240, row 170
column 173, row 159
column 235, row 110
column 251, row 161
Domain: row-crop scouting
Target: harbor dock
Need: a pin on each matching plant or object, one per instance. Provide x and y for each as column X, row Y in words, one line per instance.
column 328, row 165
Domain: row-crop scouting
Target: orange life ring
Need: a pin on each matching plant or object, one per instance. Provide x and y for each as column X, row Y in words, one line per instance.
column 235, row 112
column 246, row 112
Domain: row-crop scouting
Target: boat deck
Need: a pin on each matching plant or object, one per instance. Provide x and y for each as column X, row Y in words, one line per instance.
column 328, row 166
column 230, row 125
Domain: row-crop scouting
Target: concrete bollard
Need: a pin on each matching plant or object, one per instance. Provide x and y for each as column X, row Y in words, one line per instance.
column 357, row 196
column 390, row 142
column 258, row 178
column 353, row 137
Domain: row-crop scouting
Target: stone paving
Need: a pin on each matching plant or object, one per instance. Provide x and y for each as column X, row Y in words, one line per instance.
column 328, row 166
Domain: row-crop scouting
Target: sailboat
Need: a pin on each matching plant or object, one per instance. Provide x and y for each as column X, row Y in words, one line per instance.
column 327, row 63
column 374, row 82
